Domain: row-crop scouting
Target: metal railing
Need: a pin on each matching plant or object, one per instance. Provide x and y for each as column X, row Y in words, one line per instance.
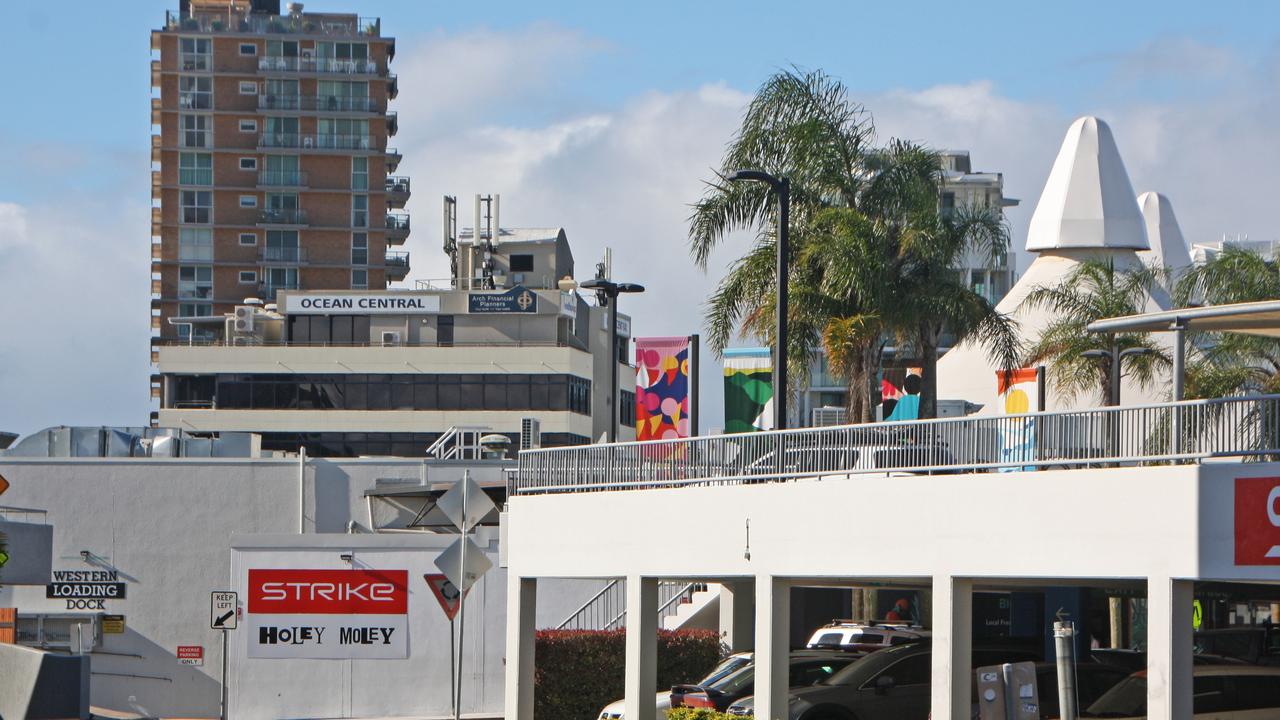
column 396, row 259
column 282, row 216
column 1184, row 432
column 317, row 142
column 329, row 103
column 398, row 221
column 282, row 178
column 305, row 24
column 397, row 184
column 283, row 254
column 607, row 609
column 279, row 63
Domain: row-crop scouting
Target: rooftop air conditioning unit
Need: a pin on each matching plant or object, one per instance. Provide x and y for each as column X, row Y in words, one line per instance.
column 530, row 433
column 828, row 416
column 390, row 338
column 244, row 319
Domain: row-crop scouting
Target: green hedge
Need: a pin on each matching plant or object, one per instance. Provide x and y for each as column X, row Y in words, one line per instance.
column 578, row 672
column 685, row 713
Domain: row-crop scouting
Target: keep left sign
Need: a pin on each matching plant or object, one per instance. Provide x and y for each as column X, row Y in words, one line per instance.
column 328, row 614
column 1258, row 521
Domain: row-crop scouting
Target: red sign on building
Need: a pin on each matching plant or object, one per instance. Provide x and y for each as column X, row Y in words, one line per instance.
column 191, row 654
column 1258, row 521
column 329, row 592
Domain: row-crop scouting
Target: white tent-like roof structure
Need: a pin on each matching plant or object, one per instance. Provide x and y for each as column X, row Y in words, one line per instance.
column 1168, row 247
column 1087, row 210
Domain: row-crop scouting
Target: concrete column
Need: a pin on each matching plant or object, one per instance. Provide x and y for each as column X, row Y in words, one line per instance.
column 952, row 647
column 521, row 607
column 642, row 648
column 1169, row 648
column 737, row 615
column 773, row 646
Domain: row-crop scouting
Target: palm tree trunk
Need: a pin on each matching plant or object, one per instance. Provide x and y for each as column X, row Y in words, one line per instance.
column 928, row 344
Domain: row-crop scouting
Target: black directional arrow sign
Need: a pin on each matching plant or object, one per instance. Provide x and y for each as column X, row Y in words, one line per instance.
column 222, row 610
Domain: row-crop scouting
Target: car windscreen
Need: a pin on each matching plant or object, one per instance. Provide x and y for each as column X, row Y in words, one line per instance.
column 735, row 683
column 724, row 669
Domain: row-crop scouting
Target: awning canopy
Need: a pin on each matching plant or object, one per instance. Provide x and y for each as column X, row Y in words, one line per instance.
column 1256, row 318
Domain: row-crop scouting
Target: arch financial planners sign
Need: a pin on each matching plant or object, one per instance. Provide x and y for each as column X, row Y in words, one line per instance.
column 328, row 614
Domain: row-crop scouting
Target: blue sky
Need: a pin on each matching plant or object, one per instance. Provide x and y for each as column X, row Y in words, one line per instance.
column 602, row 118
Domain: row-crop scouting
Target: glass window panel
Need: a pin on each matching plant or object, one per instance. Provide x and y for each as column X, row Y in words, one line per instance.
column 341, row 329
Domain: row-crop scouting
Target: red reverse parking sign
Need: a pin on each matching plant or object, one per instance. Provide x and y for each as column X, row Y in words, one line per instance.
column 446, row 593
column 1258, row 521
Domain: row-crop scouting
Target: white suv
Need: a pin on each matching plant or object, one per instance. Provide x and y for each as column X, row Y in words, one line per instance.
column 847, row 634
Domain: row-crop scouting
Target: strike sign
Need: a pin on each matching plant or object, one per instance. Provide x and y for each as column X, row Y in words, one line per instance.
column 1257, row 521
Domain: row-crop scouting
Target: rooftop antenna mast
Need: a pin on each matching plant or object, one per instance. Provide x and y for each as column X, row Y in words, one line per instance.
column 451, row 234
column 486, row 229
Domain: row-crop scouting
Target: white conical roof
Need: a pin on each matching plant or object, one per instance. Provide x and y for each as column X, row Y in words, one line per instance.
column 1168, row 247
column 1088, row 201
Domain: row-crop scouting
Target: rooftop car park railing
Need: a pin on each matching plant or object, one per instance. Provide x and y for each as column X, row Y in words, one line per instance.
column 1246, row 427
column 309, row 24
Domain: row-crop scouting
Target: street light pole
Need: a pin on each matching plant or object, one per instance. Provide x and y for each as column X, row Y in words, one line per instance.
column 782, row 188
column 607, row 293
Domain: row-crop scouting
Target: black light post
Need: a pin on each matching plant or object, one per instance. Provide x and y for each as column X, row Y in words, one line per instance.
column 1116, row 355
column 607, row 293
column 782, row 187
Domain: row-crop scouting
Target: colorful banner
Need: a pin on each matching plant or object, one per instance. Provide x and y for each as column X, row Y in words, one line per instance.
column 1019, row 394
column 748, row 390
column 328, row 614
column 662, row 388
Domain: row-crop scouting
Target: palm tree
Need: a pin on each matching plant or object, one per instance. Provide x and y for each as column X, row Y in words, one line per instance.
column 1093, row 290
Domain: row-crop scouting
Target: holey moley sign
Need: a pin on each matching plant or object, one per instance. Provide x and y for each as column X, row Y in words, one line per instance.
column 328, row 614
column 1258, row 521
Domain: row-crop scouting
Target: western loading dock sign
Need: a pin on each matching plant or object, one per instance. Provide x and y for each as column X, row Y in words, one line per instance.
column 85, row 589
column 328, row 614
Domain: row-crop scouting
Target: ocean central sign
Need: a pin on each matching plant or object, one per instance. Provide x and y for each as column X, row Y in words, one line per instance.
column 328, row 614
column 360, row 304
column 518, row 299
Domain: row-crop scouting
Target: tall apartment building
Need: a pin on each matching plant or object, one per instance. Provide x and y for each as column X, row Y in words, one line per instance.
column 271, row 169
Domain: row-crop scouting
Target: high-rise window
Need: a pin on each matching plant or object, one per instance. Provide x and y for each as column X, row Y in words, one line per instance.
column 282, row 171
column 342, row 50
column 195, row 92
column 279, row 94
column 281, row 278
column 282, row 246
column 343, row 133
column 359, row 211
column 195, row 244
column 195, row 131
column 281, row 132
column 195, row 54
column 342, row 95
column 195, row 282
column 195, row 168
column 197, row 206
column 359, row 249
column 360, row 173
column 359, row 279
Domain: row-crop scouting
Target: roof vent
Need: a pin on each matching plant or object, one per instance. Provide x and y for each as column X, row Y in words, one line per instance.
column 270, row 307
column 256, row 302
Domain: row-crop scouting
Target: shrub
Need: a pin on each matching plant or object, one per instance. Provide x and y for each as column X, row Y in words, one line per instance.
column 686, row 713
column 578, row 672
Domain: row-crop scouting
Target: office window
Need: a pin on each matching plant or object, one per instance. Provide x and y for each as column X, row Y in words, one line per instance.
column 360, row 173
column 195, row 131
column 359, row 249
column 197, row 206
column 626, row 408
column 195, row 168
column 248, row 201
column 248, row 238
column 250, row 163
column 444, row 329
column 248, row 87
column 195, row 282
column 359, row 279
column 195, row 92
column 195, row 244
column 360, row 211
column 248, row 277
column 195, row 54
column 248, row 125
column 248, row 49
column 521, row 263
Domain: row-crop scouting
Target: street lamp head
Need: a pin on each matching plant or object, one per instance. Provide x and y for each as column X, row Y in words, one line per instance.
column 630, row 288
column 739, row 175
column 1094, row 354
column 1136, row 351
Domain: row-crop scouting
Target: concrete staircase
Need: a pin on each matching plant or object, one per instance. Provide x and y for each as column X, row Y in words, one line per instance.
column 701, row 610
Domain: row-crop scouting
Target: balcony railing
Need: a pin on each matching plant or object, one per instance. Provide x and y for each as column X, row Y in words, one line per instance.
column 282, row 178
column 306, row 24
column 1184, row 432
column 283, row 255
column 327, row 103
column 334, row 66
column 398, row 184
column 398, row 221
column 282, row 216
column 397, row 259
column 317, row 142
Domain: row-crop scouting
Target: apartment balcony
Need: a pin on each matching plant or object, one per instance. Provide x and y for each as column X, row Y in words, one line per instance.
column 397, row 265
column 299, row 141
column 267, row 291
column 234, row 21
column 156, row 111
column 194, row 292
column 393, row 123
column 323, row 66
column 282, row 179
column 393, row 86
column 314, row 103
column 393, row 159
column 397, row 191
column 397, row 228
column 295, row 217
column 283, row 255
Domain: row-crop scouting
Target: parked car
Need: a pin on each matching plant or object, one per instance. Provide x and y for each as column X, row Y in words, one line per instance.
column 1256, row 645
column 847, row 634
column 1221, row 692
column 889, row 684
column 731, row 664
column 807, row 668
column 1135, row 660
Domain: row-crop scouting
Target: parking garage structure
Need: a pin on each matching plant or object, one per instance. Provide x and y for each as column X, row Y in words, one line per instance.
column 748, row 512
